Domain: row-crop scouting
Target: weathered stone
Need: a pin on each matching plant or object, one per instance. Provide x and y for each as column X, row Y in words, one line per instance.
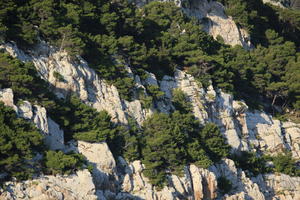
column 104, row 172
column 76, row 187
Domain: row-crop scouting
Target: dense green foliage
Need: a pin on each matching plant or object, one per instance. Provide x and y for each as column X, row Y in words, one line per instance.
column 258, row 17
column 224, row 185
column 19, row 143
column 181, row 102
column 284, row 163
column 159, row 38
column 60, row 163
column 172, row 141
column 251, row 162
column 254, row 165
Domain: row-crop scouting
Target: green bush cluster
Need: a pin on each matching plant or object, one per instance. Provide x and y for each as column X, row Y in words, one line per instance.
column 251, row 163
column 181, row 101
column 286, row 164
column 224, row 185
column 171, row 141
column 282, row 163
column 20, row 141
column 57, row 162
column 159, row 37
column 258, row 17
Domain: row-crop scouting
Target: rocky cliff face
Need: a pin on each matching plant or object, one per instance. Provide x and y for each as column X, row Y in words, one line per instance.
column 117, row 179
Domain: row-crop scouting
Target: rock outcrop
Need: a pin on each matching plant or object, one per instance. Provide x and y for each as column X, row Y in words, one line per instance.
column 78, row 186
column 80, row 79
column 279, row 186
column 244, row 130
column 242, row 185
column 54, row 136
column 275, row 3
column 104, row 165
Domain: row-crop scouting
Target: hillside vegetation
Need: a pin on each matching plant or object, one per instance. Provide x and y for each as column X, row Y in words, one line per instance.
column 158, row 38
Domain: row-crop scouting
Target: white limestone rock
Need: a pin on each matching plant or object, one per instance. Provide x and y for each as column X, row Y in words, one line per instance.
column 78, row 186
column 279, row 186
column 80, row 79
column 223, row 115
column 292, row 136
column 55, row 137
column 241, row 185
column 275, row 3
column 197, row 182
column 209, row 182
column 7, row 97
column 99, row 155
column 25, row 110
column 191, row 88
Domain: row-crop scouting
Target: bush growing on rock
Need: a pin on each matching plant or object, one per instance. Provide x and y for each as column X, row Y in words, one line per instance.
column 172, row 141
column 251, row 162
column 181, row 101
column 284, row 163
column 60, row 163
column 20, row 141
column 159, row 38
column 224, row 185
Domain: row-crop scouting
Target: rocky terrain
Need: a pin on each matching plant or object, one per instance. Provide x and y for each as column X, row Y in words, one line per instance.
column 111, row 178
column 116, row 179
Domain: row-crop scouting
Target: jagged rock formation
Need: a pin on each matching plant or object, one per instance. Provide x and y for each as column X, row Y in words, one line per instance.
column 214, row 19
column 244, row 130
column 54, row 136
column 279, row 186
column 275, row 3
column 78, row 186
column 126, row 181
column 104, row 171
column 80, row 79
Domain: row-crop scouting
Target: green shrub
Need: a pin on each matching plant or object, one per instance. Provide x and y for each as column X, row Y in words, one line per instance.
column 20, row 141
column 155, row 92
column 224, row 185
column 57, row 162
column 251, row 162
column 171, row 141
column 214, row 142
column 284, row 163
column 181, row 101
column 58, row 76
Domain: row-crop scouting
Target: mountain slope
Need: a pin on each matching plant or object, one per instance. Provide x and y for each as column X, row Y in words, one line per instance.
column 151, row 111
